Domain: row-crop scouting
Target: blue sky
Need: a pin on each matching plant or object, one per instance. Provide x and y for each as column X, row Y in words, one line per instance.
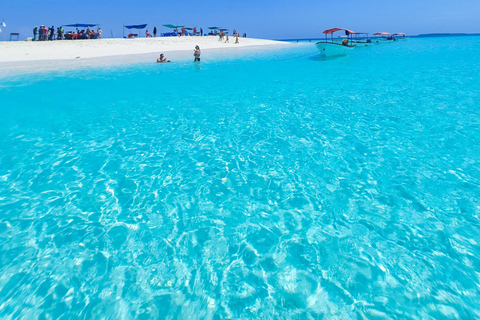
column 279, row 19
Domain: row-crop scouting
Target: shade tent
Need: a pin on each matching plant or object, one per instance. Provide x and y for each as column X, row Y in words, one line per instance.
column 80, row 25
column 134, row 26
column 214, row 28
column 171, row 26
column 381, row 34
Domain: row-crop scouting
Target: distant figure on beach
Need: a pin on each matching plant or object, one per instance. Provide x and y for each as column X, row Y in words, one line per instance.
column 162, row 59
column 148, row 35
column 236, row 38
column 35, row 31
column 183, row 31
column 196, row 54
column 226, row 38
column 194, row 31
column 154, row 32
column 201, row 32
column 244, row 35
column 234, row 32
column 99, row 31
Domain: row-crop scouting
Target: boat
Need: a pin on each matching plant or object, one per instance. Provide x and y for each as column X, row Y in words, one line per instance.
column 383, row 37
column 361, row 39
column 330, row 48
column 399, row 36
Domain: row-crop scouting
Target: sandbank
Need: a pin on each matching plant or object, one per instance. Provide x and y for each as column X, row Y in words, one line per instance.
column 84, row 49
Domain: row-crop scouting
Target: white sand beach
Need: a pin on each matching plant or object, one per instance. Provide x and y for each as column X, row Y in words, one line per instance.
column 29, row 51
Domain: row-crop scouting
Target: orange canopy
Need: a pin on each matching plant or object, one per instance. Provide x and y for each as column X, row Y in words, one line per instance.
column 330, row 31
column 381, row 34
column 398, row 34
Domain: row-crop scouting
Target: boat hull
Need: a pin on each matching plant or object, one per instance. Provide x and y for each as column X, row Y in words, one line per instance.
column 383, row 40
column 330, row 49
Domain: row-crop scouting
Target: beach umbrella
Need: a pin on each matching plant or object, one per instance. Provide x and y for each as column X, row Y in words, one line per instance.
column 214, row 28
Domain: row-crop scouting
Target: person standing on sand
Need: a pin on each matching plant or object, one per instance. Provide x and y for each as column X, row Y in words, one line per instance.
column 201, row 32
column 99, row 31
column 35, row 31
column 183, row 31
column 154, row 32
column 196, row 54
column 236, row 38
column 194, row 31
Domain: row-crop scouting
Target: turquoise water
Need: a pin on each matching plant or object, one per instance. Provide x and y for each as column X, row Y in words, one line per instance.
column 250, row 186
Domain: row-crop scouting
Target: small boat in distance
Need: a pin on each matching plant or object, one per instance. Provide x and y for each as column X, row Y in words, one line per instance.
column 329, row 48
column 399, row 36
column 361, row 39
column 382, row 37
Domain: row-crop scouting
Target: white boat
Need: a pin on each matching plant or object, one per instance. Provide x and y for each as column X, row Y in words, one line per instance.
column 361, row 39
column 330, row 48
column 399, row 36
column 383, row 37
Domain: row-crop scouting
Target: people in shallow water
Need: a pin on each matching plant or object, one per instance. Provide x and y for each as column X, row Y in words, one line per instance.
column 196, row 54
column 162, row 59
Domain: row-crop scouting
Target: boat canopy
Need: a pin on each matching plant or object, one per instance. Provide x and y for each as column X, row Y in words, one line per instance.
column 215, row 28
column 80, row 25
column 136, row 26
column 330, row 31
column 398, row 34
column 381, row 34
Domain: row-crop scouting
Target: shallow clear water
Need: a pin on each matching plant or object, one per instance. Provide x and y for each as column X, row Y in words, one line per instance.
column 276, row 185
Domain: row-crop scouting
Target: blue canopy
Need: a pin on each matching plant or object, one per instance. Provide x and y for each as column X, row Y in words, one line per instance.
column 136, row 26
column 80, row 25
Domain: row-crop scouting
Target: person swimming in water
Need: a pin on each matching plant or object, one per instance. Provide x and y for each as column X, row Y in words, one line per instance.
column 162, row 59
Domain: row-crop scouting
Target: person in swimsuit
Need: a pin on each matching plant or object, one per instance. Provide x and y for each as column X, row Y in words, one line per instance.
column 196, row 54
column 162, row 59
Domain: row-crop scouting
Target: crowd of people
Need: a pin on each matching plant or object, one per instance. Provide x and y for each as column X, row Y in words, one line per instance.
column 223, row 36
column 47, row 34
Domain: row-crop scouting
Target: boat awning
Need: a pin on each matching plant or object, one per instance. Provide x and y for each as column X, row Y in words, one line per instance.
column 330, row 31
column 214, row 28
column 381, row 34
column 80, row 25
column 398, row 34
column 136, row 26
